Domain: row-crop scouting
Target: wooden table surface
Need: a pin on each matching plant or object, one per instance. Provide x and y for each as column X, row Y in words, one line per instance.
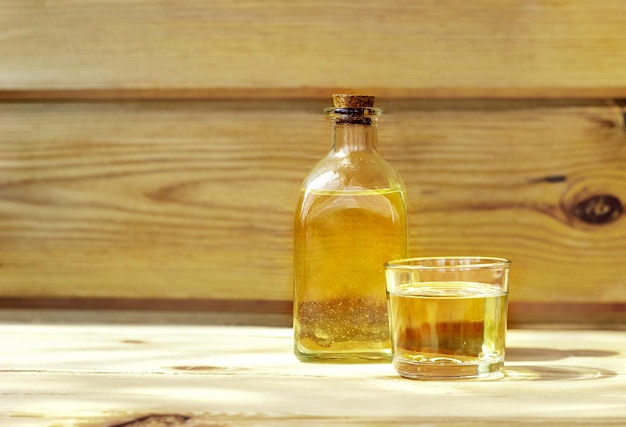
column 178, row 375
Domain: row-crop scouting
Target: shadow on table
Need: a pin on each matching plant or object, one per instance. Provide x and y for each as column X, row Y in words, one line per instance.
column 514, row 371
column 526, row 354
column 555, row 373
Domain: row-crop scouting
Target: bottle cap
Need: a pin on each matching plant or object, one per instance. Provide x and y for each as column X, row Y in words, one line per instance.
column 344, row 100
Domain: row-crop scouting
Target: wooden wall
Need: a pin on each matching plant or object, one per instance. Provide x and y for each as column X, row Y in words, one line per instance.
column 151, row 151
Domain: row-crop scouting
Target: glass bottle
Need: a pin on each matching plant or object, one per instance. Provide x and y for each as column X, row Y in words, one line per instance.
column 350, row 219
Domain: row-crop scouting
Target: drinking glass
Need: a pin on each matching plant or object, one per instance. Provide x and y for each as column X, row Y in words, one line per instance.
column 448, row 316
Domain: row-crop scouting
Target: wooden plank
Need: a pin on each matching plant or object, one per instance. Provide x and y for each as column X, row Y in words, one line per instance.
column 133, row 197
column 182, row 201
column 125, row 313
column 216, row 311
column 278, row 94
column 223, row 48
column 144, row 200
column 94, row 375
column 567, row 315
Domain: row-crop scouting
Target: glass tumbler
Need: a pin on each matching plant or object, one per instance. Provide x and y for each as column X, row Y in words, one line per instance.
column 448, row 316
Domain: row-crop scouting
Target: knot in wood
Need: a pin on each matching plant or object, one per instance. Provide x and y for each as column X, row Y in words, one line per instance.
column 169, row 420
column 600, row 209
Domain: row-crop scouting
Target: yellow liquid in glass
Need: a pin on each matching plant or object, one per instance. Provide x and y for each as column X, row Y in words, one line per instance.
column 342, row 240
column 448, row 329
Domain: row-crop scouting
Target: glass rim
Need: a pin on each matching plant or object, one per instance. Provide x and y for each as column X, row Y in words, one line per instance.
column 421, row 263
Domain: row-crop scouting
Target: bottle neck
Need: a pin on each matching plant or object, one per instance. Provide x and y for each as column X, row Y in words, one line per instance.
column 353, row 137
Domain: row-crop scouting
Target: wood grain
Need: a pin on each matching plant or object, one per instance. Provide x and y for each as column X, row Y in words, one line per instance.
column 151, row 200
column 193, row 48
column 94, row 375
column 194, row 200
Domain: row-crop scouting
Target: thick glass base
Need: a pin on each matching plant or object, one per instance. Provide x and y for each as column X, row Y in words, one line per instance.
column 447, row 368
column 364, row 357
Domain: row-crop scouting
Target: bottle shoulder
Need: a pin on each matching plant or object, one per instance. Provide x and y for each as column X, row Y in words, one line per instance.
column 357, row 171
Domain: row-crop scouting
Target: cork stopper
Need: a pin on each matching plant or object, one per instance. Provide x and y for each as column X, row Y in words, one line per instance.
column 353, row 109
column 344, row 100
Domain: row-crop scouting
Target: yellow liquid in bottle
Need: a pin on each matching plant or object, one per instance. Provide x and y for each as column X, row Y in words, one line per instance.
column 342, row 239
